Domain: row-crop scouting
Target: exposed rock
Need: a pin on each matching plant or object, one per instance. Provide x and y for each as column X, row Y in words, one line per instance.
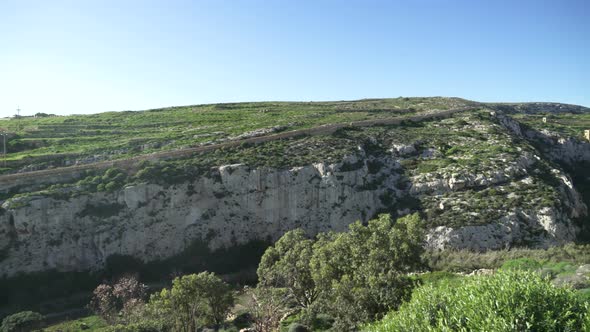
column 403, row 149
column 235, row 204
column 151, row 222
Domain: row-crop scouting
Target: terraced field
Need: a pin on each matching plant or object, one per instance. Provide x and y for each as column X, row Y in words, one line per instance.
column 56, row 141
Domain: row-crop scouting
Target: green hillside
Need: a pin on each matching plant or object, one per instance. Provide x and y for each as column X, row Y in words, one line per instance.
column 54, row 141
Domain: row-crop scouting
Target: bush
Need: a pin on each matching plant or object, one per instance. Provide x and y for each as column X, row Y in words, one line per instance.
column 467, row 261
column 524, row 264
column 195, row 300
column 507, row 301
column 22, row 321
column 117, row 302
column 296, row 327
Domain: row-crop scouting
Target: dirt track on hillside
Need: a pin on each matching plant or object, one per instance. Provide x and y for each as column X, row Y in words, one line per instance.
column 130, row 162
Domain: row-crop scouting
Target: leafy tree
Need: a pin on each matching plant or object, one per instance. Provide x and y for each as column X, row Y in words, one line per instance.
column 507, row 301
column 354, row 276
column 124, row 296
column 22, row 321
column 286, row 264
column 363, row 272
column 194, row 301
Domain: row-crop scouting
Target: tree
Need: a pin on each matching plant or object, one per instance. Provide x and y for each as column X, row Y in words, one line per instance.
column 268, row 306
column 217, row 296
column 363, row 272
column 354, row 276
column 286, row 264
column 123, row 296
column 194, row 301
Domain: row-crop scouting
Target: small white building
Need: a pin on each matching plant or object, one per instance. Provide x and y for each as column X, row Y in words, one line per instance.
column 587, row 134
column 544, row 120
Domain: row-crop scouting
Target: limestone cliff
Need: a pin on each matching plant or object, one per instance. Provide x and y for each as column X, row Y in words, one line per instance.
column 234, row 205
column 475, row 186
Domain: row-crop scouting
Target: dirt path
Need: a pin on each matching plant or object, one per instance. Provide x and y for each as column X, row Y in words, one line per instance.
column 128, row 163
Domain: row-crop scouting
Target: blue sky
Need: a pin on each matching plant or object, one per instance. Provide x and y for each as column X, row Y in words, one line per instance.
column 85, row 56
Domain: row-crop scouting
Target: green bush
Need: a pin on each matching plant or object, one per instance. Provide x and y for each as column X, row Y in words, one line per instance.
column 22, row 321
column 525, row 264
column 507, row 301
column 194, row 301
column 467, row 261
column 296, row 327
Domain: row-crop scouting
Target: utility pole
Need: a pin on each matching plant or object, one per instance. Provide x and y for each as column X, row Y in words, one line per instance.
column 4, row 150
column 18, row 118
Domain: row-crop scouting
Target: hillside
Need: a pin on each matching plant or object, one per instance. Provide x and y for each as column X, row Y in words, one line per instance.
column 484, row 177
column 53, row 141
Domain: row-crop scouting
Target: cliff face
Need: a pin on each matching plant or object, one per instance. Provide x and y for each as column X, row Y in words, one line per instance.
column 470, row 199
column 565, row 150
column 234, row 205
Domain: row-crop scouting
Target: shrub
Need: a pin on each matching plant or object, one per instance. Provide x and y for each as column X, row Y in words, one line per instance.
column 195, row 300
column 111, row 186
column 22, row 321
column 525, row 264
column 507, row 301
column 118, row 301
column 296, row 327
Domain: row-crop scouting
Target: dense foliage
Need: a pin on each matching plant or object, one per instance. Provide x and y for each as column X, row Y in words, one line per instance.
column 467, row 261
column 286, row 264
column 22, row 321
column 354, row 276
column 506, row 301
column 195, row 300
column 114, row 303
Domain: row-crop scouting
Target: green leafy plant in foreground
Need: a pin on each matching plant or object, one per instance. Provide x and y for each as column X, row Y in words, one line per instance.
column 507, row 301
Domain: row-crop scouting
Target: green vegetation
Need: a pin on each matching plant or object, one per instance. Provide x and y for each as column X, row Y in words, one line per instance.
column 467, row 261
column 193, row 302
column 443, row 149
column 53, row 291
column 90, row 324
column 506, row 301
column 56, row 140
column 354, row 276
column 565, row 124
column 333, row 281
column 22, row 321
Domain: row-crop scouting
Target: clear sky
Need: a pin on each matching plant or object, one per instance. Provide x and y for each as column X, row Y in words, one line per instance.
column 84, row 56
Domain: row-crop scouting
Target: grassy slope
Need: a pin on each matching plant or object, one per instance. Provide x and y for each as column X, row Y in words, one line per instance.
column 90, row 323
column 123, row 134
column 566, row 124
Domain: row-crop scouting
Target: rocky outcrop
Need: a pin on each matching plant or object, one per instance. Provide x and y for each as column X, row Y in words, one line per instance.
column 567, row 150
column 440, row 183
column 543, row 228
